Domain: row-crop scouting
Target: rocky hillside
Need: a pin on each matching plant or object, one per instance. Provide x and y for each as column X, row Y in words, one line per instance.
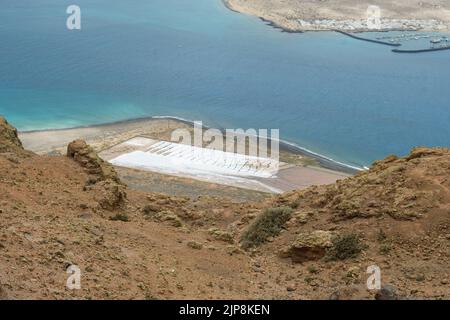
column 315, row 244
column 10, row 145
column 395, row 216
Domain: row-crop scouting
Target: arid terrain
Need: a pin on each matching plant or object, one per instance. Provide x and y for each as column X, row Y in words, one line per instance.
column 304, row 15
column 63, row 210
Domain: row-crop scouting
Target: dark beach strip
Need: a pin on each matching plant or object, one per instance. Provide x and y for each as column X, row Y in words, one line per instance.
column 323, row 161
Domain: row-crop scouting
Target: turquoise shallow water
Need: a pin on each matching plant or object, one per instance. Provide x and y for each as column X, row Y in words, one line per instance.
column 349, row 100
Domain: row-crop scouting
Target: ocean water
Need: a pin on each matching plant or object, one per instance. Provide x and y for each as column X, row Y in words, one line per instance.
column 350, row 100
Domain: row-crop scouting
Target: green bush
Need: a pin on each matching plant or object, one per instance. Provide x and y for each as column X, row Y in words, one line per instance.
column 295, row 204
column 381, row 236
column 345, row 246
column 385, row 248
column 120, row 217
column 267, row 224
column 312, row 269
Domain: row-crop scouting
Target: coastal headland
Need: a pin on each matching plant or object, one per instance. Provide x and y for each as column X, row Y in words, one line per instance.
column 347, row 15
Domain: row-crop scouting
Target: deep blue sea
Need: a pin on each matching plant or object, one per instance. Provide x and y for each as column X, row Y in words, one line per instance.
column 350, row 100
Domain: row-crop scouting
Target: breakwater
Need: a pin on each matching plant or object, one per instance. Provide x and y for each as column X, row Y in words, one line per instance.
column 421, row 50
column 368, row 40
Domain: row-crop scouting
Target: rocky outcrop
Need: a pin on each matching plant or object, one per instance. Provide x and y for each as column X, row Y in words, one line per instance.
column 86, row 156
column 221, row 235
column 103, row 178
column 110, row 194
column 9, row 139
column 309, row 246
column 421, row 152
column 3, row 294
column 402, row 188
column 387, row 292
column 351, row 292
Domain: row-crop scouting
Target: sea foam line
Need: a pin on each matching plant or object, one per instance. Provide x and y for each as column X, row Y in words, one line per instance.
column 282, row 142
column 292, row 145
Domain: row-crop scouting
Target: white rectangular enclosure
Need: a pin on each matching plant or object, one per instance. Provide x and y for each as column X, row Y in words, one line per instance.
column 215, row 166
column 169, row 157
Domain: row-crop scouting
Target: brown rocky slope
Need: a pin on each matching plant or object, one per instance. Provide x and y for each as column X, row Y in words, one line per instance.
column 313, row 244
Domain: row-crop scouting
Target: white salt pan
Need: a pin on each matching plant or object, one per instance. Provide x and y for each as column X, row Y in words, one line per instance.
column 171, row 157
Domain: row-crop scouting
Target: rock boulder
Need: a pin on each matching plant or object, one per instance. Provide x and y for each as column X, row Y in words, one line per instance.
column 85, row 155
column 9, row 139
column 309, row 246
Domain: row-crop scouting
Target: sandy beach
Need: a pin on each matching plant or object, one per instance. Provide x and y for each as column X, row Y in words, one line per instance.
column 100, row 137
column 298, row 171
column 347, row 15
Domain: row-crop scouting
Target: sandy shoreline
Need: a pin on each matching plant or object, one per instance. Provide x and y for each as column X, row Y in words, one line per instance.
column 346, row 15
column 105, row 135
column 99, row 136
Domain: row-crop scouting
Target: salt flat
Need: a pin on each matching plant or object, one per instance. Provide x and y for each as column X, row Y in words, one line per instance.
column 178, row 157
column 257, row 173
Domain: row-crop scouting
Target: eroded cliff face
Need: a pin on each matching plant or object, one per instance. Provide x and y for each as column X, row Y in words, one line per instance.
column 59, row 211
column 103, row 179
column 85, row 155
column 9, row 140
column 402, row 188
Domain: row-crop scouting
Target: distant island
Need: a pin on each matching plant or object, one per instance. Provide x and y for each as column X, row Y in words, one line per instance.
column 347, row 15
